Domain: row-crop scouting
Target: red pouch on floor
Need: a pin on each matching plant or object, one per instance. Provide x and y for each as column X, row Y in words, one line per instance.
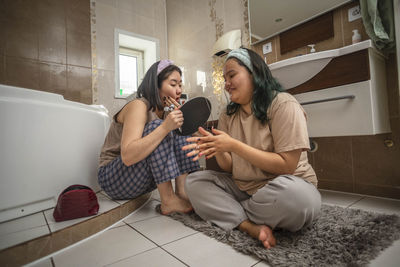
column 76, row 201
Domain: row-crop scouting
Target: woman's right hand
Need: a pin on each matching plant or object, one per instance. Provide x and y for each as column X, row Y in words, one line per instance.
column 174, row 120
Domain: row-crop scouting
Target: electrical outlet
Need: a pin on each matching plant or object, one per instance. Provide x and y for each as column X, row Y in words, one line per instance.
column 267, row 48
column 354, row 13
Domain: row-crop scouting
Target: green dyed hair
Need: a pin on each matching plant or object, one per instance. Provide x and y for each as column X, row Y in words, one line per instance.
column 266, row 88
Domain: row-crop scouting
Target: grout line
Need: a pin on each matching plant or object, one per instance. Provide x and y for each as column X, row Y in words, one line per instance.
column 48, row 226
column 174, row 256
column 256, row 263
column 197, row 232
column 351, row 204
column 52, row 262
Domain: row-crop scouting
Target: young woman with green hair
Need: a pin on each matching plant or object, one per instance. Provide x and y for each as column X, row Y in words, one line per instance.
column 261, row 144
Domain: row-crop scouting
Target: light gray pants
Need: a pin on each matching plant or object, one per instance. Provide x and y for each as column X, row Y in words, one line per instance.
column 287, row 202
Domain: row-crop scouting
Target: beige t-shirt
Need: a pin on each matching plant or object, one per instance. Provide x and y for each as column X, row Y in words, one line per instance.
column 112, row 144
column 286, row 131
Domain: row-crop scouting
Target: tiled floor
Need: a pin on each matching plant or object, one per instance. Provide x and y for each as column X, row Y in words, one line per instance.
column 145, row 238
column 28, row 227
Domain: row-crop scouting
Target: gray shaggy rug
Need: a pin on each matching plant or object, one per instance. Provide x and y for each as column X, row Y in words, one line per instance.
column 339, row 237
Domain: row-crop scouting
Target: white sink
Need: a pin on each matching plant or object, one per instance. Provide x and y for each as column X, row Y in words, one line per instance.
column 297, row 70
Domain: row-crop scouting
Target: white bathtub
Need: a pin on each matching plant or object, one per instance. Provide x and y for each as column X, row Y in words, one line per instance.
column 46, row 144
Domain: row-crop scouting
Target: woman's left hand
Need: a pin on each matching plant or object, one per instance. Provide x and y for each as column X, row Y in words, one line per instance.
column 209, row 145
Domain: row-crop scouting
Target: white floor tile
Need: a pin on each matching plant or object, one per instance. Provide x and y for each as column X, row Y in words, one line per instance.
column 105, row 204
column 151, row 258
column 156, row 195
column 162, row 229
column 23, row 223
column 384, row 205
column 389, row 257
column 111, row 246
column 339, row 198
column 262, row 264
column 145, row 212
column 200, row 250
column 42, row 263
column 22, row 236
column 119, row 224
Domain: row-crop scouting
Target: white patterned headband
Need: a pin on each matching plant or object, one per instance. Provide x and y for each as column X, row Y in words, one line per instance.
column 242, row 55
column 163, row 64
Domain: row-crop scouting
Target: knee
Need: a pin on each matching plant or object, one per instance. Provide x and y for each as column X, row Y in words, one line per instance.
column 301, row 201
column 151, row 126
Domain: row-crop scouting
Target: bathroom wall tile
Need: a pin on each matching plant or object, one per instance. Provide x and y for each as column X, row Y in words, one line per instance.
column 79, row 79
column 389, row 191
column 337, row 40
column 52, row 77
column 142, row 8
column 2, row 68
column 111, row 3
column 53, row 44
column 78, row 16
column 374, row 163
column 21, row 72
column 201, row 250
column 134, row 204
column 79, row 50
column 349, row 26
column 162, row 229
column 111, row 246
column 105, row 51
column 392, row 86
column 22, row 39
column 336, row 185
column 37, row 248
column 106, row 19
column 23, row 10
column 153, row 257
column 333, row 160
column 3, row 35
column 51, row 13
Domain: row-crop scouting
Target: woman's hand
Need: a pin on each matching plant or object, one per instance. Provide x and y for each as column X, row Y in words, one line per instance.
column 173, row 121
column 209, row 145
column 214, row 144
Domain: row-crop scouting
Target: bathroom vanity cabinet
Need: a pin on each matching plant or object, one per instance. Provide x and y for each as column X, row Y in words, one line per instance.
column 348, row 96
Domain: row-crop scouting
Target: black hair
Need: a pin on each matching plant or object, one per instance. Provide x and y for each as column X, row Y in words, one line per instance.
column 151, row 84
column 266, row 88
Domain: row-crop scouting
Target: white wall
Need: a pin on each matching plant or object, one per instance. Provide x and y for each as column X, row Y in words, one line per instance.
column 193, row 28
column 143, row 17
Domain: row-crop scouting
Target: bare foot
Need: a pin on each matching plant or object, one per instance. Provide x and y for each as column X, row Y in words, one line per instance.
column 175, row 204
column 261, row 232
column 266, row 237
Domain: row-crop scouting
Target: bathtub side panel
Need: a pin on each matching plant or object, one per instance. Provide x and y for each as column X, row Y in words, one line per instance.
column 47, row 146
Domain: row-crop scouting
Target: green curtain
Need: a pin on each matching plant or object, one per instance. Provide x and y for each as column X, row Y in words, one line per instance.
column 378, row 19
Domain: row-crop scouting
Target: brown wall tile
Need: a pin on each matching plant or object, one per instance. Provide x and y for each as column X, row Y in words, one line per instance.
column 22, row 72
column 22, row 39
column 53, row 77
column 79, row 49
column 348, row 27
column 79, row 83
column 377, row 190
column 337, row 40
column 333, row 160
column 2, row 70
column 53, row 44
column 51, row 13
column 78, row 15
column 392, row 86
column 374, row 163
column 336, row 185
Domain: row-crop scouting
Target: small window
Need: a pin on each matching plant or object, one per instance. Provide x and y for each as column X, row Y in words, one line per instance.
column 134, row 54
column 130, row 71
